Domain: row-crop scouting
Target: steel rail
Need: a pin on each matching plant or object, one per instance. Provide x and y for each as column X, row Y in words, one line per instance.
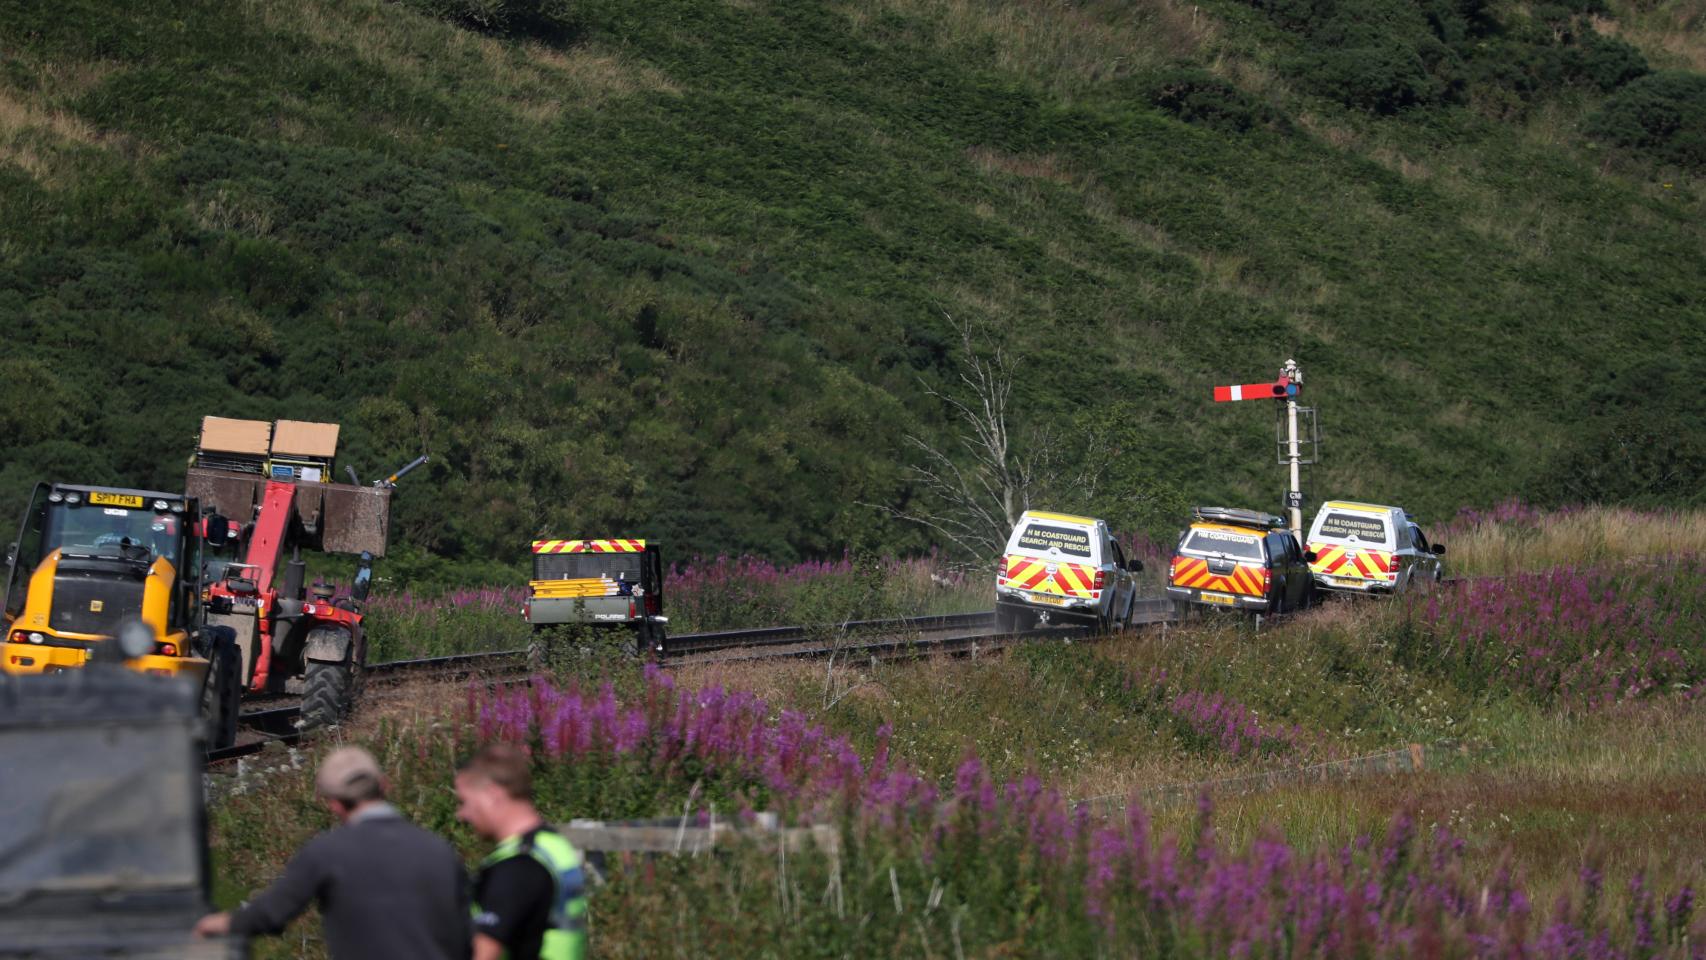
column 278, row 724
column 691, row 643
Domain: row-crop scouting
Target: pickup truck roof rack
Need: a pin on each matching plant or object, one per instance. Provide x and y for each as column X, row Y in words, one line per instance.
column 1238, row 517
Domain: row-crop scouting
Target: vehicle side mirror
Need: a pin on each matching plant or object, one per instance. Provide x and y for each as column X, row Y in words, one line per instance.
column 1309, row 555
column 1134, row 565
column 363, row 578
column 216, row 530
column 1439, row 549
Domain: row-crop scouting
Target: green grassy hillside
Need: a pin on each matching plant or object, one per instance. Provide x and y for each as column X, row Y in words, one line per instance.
column 686, row 268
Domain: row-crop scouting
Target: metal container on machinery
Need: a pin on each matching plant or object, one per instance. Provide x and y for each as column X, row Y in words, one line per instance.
column 236, row 459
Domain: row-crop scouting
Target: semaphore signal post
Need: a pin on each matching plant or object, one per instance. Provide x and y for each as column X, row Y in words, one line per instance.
column 1292, row 444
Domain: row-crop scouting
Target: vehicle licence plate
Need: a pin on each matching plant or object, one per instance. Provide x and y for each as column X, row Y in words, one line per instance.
column 1219, row 598
column 115, row 499
column 1049, row 599
column 1347, row 581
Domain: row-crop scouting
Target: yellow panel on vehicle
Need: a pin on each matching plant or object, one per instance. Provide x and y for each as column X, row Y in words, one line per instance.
column 588, row 546
column 1245, row 579
column 101, row 498
column 1062, row 517
column 571, row 589
column 1353, row 505
column 1034, row 574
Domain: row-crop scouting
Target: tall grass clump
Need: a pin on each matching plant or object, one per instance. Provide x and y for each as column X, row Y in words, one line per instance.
column 1580, row 636
column 1514, row 536
column 732, row 592
column 407, row 626
column 1213, row 721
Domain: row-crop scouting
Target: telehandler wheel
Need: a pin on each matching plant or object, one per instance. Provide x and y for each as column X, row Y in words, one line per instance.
column 222, row 693
column 330, row 688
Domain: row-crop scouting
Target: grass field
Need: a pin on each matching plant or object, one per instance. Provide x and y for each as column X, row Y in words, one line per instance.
column 1051, row 799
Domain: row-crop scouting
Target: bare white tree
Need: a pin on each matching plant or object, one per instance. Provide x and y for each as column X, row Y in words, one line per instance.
column 980, row 480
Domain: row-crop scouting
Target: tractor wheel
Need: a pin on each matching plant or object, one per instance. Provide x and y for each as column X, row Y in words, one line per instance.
column 330, row 687
column 222, row 693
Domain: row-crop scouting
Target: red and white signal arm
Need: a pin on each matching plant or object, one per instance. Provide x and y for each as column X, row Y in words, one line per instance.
column 1277, row 390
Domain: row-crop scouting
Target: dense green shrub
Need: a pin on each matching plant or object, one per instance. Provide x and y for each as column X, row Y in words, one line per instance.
column 1385, row 56
column 1198, row 96
column 1371, row 73
column 551, row 20
column 1660, row 117
column 1606, row 62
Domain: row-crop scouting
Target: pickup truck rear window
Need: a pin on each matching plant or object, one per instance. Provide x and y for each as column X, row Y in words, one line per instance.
column 1226, row 544
column 586, row 566
column 1072, row 541
column 1343, row 526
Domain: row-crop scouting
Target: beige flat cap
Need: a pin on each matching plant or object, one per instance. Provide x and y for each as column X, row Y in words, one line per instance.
column 343, row 769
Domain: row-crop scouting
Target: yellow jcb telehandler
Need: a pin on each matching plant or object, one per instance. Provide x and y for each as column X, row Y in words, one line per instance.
column 91, row 563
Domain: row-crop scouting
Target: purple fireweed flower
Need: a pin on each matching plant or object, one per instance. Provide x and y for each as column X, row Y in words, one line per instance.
column 1409, row 895
column 1583, row 637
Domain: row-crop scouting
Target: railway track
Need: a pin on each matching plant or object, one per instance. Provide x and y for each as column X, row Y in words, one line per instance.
column 276, row 720
column 963, row 634
column 701, row 644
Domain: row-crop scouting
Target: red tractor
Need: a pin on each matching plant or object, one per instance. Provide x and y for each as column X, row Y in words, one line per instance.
column 273, row 481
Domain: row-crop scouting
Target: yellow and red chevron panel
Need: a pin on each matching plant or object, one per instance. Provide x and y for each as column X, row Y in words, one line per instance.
column 1338, row 560
column 588, row 546
column 1030, row 573
column 1246, row 578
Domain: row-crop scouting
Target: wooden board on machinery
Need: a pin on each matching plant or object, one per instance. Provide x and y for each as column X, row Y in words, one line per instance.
column 226, row 435
column 301, row 438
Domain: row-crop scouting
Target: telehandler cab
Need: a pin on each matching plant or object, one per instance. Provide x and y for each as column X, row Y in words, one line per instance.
column 91, row 562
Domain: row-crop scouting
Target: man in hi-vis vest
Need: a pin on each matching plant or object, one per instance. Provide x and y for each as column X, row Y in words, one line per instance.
column 530, row 897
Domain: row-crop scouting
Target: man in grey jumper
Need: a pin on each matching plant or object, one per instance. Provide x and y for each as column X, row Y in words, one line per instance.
column 386, row 888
